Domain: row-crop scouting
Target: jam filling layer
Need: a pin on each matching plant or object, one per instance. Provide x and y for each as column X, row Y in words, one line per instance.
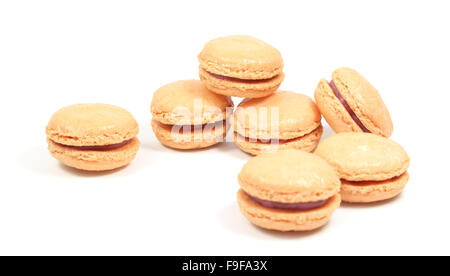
column 271, row 141
column 195, row 128
column 363, row 183
column 264, row 141
column 225, row 78
column 300, row 206
column 98, row 148
column 347, row 107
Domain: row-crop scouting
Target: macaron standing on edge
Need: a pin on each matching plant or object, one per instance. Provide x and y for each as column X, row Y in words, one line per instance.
column 372, row 168
column 241, row 66
column 279, row 121
column 186, row 115
column 288, row 190
column 349, row 103
column 93, row 137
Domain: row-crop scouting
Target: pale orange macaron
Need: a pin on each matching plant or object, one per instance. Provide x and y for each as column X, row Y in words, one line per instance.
column 241, row 66
column 93, row 137
column 371, row 168
column 280, row 121
column 186, row 115
column 349, row 103
column 289, row 190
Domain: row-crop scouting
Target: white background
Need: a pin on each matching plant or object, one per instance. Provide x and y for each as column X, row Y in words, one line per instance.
column 57, row 53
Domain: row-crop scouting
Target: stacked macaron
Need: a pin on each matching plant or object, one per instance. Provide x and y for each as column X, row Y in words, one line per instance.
column 93, row 137
column 268, row 120
column 186, row 115
column 241, row 66
column 371, row 167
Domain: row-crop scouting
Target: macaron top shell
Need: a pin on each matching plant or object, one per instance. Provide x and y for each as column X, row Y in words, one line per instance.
column 363, row 156
column 91, row 125
column 289, row 176
column 364, row 100
column 241, row 57
column 283, row 115
column 188, row 102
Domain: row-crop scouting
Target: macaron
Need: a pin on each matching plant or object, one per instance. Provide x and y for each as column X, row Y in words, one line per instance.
column 372, row 168
column 241, row 66
column 288, row 190
column 93, row 137
column 186, row 115
column 349, row 103
column 280, row 121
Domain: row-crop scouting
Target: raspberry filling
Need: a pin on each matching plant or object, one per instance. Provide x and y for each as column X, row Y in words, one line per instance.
column 236, row 79
column 99, row 148
column 264, row 141
column 299, row 206
column 194, row 128
column 347, row 107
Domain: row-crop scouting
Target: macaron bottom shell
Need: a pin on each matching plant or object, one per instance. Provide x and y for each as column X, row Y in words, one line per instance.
column 286, row 220
column 307, row 142
column 197, row 139
column 94, row 160
column 373, row 191
column 240, row 87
